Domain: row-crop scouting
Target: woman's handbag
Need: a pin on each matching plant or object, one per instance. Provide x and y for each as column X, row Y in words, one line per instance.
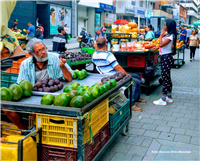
column 98, row 32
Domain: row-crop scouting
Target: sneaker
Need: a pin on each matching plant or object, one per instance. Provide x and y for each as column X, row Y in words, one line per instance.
column 191, row 60
column 160, row 102
column 169, row 100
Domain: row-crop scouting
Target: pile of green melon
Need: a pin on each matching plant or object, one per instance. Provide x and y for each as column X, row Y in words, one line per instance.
column 76, row 95
column 15, row 92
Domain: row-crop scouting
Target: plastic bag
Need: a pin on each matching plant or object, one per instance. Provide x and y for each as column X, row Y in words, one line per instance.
column 69, row 37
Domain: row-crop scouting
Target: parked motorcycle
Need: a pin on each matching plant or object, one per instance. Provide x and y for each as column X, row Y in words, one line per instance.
column 83, row 42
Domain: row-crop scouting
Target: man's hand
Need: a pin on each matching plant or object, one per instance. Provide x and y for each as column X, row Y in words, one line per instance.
column 62, row 62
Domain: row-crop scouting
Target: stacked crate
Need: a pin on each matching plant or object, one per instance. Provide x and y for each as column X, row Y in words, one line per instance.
column 60, row 134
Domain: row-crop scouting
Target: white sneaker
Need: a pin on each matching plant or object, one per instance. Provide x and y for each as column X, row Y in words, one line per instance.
column 169, row 100
column 160, row 102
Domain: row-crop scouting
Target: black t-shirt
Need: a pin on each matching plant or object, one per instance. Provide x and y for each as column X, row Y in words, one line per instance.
column 14, row 26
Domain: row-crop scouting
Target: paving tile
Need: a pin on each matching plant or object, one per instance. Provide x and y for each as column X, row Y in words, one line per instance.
column 121, row 148
column 189, row 104
column 146, row 142
column 188, row 126
column 182, row 108
column 153, row 134
column 135, row 140
column 155, row 146
column 136, row 131
column 107, row 156
column 135, row 119
column 176, row 130
column 158, row 117
column 121, row 139
column 192, row 133
column 169, row 118
column 168, row 113
column 178, row 114
column 166, row 136
column 136, row 158
column 195, row 140
column 149, row 126
column 145, row 115
column 195, row 122
column 135, row 113
column 186, row 111
column 136, row 124
column 182, row 138
column 137, row 150
column 177, row 153
column 155, row 112
column 121, row 156
column 182, row 120
column 191, row 116
column 174, row 124
column 147, row 120
column 174, row 110
column 163, row 128
column 160, row 122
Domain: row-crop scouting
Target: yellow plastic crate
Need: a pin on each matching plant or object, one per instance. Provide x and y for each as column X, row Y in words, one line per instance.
column 8, row 132
column 99, row 117
column 59, row 131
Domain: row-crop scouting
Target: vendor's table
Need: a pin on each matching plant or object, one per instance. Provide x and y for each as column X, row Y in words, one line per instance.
column 32, row 104
column 121, row 57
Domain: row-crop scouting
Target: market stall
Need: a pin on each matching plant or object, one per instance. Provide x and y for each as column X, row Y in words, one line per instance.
column 77, row 133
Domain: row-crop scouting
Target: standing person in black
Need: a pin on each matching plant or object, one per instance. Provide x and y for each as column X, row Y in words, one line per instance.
column 14, row 26
column 59, row 41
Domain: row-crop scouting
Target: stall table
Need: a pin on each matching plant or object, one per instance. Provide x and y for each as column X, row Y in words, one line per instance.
column 32, row 104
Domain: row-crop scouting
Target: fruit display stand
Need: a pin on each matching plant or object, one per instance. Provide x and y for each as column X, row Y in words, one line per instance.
column 126, row 36
column 73, row 123
column 136, row 62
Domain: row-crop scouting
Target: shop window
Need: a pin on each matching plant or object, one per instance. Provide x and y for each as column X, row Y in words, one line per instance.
column 141, row 3
column 98, row 19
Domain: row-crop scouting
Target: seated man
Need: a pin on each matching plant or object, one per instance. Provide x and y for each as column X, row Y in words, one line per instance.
column 107, row 63
column 41, row 65
column 59, row 41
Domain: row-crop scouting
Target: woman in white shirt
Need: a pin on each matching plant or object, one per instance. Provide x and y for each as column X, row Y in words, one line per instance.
column 167, row 48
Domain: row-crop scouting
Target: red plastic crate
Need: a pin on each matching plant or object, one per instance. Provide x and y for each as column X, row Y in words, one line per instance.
column 136, row 61
column 100, row 139
column 58, row 153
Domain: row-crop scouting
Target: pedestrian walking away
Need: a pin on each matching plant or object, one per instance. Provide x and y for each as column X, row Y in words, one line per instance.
column 167, row 46
column 193, row 43
column 189, row 32
column 183, row 37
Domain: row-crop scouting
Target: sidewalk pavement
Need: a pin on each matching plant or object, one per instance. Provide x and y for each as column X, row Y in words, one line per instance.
column 165, row 132
column 72, row 44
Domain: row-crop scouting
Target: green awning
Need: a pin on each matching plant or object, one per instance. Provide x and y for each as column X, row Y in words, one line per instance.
column 197, row 23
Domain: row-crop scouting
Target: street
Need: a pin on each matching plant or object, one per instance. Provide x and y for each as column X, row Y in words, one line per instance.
column 165, row 132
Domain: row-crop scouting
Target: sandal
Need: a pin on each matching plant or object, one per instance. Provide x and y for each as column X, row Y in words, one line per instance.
column 141, row 101
column 136, row 108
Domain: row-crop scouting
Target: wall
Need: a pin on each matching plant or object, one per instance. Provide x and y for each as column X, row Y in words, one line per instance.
column 74, row 19
column 82, row 11
column 65, row 3
column 91, row 20
column 161, row 13
column 94, row 3
column 183, row 12
column 24, row 11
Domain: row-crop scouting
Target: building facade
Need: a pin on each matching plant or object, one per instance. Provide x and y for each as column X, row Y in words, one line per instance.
column 95, row 13
column 51, row 14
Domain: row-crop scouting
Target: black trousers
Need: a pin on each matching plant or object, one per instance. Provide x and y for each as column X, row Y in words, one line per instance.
column 187, row 42
column 166, row 64
column 192, row 51
column 66, row 37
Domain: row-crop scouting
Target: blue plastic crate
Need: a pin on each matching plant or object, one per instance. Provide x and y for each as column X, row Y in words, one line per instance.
column 8, row 78
column 119, row 117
